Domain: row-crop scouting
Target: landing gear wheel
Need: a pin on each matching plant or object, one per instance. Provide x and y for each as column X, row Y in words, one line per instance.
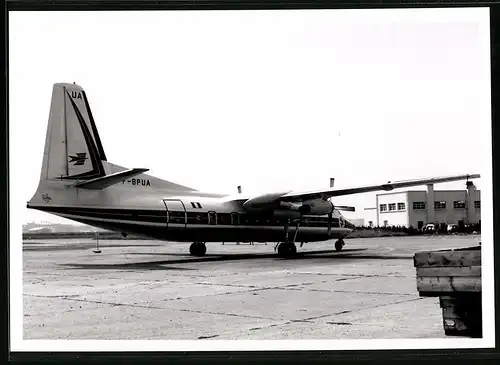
column 198, row 249
column 339, row 245
column 287, row 249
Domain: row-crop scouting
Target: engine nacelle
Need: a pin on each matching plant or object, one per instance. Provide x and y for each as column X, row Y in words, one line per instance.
column 294, row 207
column 318, row 207
column 271, row 202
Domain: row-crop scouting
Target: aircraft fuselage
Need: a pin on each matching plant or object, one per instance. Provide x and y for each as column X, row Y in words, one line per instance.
column 184, row 217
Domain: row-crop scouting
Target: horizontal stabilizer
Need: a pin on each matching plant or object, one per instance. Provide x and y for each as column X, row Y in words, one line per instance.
column 108, row 180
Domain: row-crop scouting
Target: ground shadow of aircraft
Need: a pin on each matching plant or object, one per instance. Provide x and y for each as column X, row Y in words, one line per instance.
column 165, row 264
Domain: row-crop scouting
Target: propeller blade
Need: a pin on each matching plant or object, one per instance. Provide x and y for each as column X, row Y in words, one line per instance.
column 345, row 208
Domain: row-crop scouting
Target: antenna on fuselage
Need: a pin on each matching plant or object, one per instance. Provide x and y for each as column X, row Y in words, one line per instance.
column 332, row 182
column 239, row 189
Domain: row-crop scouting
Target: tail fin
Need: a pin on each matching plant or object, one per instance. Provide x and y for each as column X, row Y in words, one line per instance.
column 73, row 149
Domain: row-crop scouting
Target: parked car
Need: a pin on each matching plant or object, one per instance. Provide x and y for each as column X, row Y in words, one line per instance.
column 452, row 228
column 429, row 228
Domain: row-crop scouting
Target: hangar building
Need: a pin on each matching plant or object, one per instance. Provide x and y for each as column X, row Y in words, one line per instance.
column 418, row 208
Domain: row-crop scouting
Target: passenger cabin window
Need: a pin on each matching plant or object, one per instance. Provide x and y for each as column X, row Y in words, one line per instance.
column 234, row 219
column 212, row 218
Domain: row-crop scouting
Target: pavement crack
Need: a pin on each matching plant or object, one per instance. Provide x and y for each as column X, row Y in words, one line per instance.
column 63, row 296
column 360, row 292
column 341, row 323
column 207, row 337
column 134, row 305
column 222, row 314
column 363, row 309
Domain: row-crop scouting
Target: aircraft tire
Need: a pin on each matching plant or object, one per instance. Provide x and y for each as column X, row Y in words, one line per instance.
column 339, row 245
column 286, row 249
column 198, row 249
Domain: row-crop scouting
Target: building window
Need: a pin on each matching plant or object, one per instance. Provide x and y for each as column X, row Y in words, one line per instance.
column 392, row 207
column 401, row 206
column 418, row 205
column 439, row 205
column 477, row 204
column 383, row 207
column 460, row 204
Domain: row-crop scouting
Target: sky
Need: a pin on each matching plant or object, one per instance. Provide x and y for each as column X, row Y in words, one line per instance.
column 270, row 100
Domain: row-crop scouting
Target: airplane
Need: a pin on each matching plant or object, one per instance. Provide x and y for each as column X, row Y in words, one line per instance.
column 77, row 182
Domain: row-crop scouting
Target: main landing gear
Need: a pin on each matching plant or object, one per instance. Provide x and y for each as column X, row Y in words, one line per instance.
column 339, row 244
column 288, row 248
column 198, row 248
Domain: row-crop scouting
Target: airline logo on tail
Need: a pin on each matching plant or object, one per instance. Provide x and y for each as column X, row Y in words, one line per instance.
column 79, row 159
column 76, row 95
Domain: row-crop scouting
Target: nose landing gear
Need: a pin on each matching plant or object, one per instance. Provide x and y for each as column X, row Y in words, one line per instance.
column 339, row 244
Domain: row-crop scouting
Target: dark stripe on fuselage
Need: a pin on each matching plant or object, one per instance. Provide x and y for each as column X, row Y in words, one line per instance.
column 209, row 234
column 156, row 216
column 194, row 218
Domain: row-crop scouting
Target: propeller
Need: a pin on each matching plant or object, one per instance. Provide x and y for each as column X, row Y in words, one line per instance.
column 339, row 207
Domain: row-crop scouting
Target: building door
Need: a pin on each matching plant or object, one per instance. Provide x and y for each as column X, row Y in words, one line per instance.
column 420, row 225
column 176, row 213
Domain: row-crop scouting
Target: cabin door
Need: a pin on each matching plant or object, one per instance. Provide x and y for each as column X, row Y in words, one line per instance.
column 176, row 213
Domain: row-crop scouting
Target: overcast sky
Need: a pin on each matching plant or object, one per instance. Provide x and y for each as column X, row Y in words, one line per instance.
column 267, row 100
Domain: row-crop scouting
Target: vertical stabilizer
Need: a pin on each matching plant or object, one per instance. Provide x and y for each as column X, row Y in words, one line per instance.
column 73, row 149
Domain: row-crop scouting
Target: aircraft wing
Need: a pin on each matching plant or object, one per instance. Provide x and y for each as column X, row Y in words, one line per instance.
column 329, row 193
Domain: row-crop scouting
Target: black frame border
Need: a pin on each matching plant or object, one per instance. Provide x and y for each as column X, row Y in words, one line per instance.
column 447, row 356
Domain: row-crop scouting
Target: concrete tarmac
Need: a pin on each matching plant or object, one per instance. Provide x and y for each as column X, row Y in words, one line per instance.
column 154, row 290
